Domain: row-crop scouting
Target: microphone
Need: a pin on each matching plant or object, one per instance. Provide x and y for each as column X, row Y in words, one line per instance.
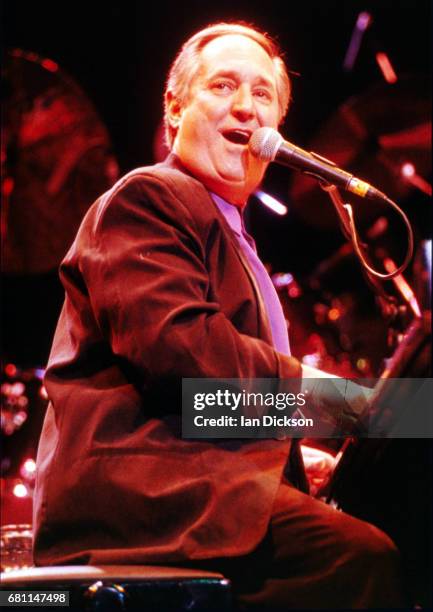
column 268, row 145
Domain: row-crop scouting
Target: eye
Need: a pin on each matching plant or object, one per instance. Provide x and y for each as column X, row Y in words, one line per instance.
column 222, row 86
column 263, row 94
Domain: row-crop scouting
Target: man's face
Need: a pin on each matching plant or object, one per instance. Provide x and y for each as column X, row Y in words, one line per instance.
column 234, row 93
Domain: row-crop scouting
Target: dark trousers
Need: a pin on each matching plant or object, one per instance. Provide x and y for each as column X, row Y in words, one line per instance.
column 315, row 557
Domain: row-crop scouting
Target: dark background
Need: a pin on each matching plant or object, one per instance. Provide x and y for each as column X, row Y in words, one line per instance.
column 120, row 53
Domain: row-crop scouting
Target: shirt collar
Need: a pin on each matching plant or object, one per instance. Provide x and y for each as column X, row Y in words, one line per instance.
column 231, row 213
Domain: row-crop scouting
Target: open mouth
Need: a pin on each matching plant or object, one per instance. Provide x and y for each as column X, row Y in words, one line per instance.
column 237, row 136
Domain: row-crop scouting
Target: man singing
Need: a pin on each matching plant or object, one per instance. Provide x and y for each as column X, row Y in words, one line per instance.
column 163, row 282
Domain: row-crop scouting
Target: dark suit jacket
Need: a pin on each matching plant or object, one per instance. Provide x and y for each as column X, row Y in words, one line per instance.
column 156, row 290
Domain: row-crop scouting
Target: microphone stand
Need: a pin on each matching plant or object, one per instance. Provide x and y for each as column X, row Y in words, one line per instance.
column 391, row 310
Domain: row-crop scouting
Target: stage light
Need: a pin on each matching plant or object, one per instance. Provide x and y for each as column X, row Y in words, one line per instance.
column 312, row 360
column 334, row 314
column 294, row 291
column 408, row 169
column 20, row 490
column 362, row 364
column 282, row 280
column 271, row 202
column 362, row 23
column 43, row 393
column 28, row 468
column 50, row 65
column 386, row 67
column 10, row 370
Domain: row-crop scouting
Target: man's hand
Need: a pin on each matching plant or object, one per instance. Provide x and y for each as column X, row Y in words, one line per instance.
column 319, row 466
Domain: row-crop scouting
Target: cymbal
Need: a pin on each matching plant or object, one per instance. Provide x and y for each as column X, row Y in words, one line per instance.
column 370, row 135
column 56, row 159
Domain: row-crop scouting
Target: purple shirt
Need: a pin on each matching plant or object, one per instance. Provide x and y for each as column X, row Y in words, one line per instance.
column 270, row 298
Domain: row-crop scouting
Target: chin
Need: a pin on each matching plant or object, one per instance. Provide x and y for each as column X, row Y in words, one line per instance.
column 233, row 175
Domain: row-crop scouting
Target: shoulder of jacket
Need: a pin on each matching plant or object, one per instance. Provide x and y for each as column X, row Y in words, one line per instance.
column 162, row 173
column 160, row 183
column 158, row 179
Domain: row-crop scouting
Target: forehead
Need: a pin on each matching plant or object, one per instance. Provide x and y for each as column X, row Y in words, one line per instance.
column 238, row 53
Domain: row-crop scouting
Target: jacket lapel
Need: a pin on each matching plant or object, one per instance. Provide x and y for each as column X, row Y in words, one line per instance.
column 263, row 322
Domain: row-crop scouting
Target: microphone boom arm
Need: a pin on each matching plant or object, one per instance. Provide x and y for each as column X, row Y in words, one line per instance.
column 345, row 214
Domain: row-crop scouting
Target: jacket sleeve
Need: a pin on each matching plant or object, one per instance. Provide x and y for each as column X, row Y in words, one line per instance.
column 145, row 270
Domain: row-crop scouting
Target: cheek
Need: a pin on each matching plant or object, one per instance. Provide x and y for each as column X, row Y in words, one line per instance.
column 270, row 115
column 195, row 126
column 210, row 112
column 273, row 118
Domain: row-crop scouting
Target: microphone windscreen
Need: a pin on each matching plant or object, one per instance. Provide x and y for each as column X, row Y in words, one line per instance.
column 264, row 143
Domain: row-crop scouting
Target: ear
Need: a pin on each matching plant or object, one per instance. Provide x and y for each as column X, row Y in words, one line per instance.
column 174, row 110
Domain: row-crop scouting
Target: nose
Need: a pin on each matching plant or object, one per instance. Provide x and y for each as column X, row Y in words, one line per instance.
column 243, row 103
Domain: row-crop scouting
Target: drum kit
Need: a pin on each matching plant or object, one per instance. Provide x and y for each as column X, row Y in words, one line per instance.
column 57, row 158
column 385, row 136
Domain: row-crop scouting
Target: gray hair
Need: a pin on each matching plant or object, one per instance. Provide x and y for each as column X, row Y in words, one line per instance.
column 186, row 65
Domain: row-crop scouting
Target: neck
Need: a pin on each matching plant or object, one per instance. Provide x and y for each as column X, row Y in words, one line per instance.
column 237, row 195
column 236, row 199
